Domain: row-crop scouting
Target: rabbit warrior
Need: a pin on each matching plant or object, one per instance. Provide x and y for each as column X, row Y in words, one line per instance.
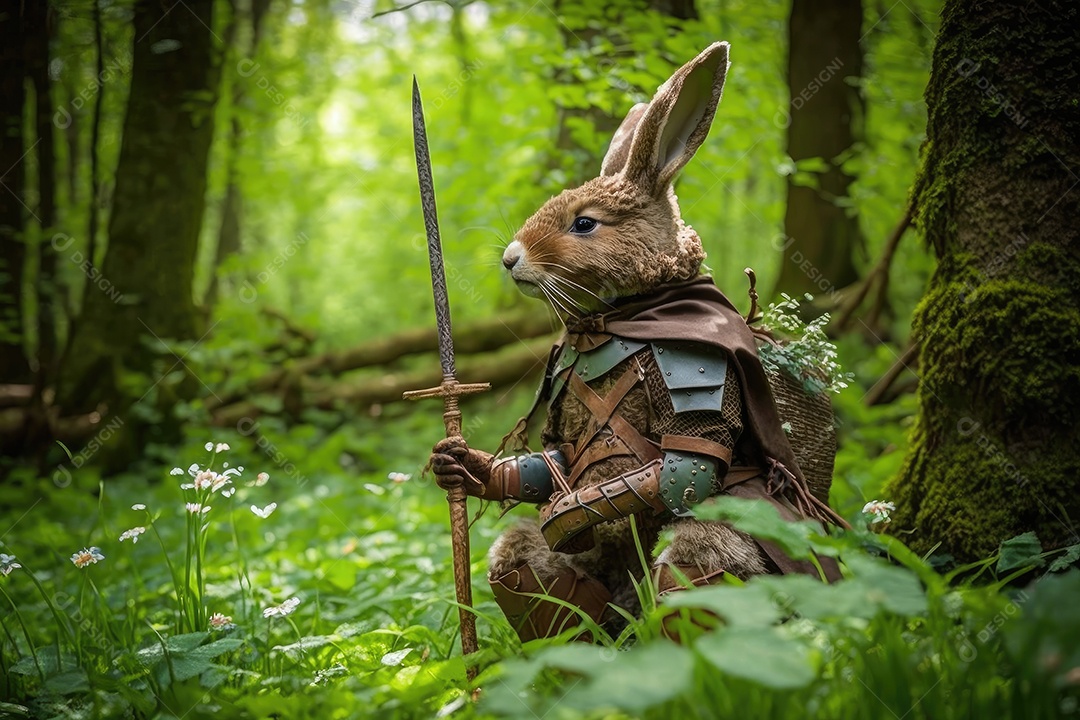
column 656, row 397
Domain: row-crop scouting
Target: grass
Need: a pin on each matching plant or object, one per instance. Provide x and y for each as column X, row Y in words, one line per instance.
column 371, row 630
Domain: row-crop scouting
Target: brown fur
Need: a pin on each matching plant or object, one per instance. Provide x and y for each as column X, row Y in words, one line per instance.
column 641, row 241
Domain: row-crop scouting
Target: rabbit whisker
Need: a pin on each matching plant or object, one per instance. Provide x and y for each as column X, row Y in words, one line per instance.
column 556, row 290
column 555, row 300
column 575, row 286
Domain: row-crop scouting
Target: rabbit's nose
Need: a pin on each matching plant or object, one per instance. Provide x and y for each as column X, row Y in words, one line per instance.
column 512, row 255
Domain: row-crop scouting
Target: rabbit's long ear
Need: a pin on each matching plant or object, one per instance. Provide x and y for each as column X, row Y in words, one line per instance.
column 619, row 150
column 677, row 120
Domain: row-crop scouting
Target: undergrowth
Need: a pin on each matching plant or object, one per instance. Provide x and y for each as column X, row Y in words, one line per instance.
column 323, row 588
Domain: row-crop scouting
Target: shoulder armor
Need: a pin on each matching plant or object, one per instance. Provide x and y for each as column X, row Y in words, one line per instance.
column 694, row 373
column 594, row 363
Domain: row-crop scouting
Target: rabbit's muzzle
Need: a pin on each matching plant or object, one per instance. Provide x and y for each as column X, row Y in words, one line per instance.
column 523, row 272
column 512, row 255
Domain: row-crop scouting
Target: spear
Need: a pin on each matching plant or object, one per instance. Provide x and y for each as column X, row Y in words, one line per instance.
column 450, row 389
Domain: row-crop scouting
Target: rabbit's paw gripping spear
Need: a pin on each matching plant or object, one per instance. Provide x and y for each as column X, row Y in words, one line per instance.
column 655, row 397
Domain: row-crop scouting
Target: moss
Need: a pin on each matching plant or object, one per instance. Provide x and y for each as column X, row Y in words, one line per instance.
column 994, row 451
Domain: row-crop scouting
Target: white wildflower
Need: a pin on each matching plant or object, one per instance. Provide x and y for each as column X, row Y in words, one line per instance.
column 221, row 447
column 218, row 621
column 399, row 477
column 87, row 556
column 8, row 563
column 196, row 508
column 138, row 506
column 193, row 469
column 176, row 471
column 283, row 609
column 209, row 446
column 187, row 486
column 228, row 492
column 261, row 479
column 879, row 510
column 205, row 479
column 264, row 512
column 132, row 534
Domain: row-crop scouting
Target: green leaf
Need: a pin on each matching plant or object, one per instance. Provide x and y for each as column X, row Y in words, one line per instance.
column 762, row 656
column 396, row 657
column 637, row 680
column 184, row 643
column 188, row 665
column 1021, row 551
column 880, row 584
column 762, row 520
column 69, row 682
column 752, row 605
column 304, row 644
column 1066, row 559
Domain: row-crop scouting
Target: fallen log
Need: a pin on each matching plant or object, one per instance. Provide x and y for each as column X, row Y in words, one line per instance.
column 503, row 369
column 479, row 337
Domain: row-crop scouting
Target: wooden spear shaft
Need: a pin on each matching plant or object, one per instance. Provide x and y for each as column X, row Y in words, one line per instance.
column 450, row 389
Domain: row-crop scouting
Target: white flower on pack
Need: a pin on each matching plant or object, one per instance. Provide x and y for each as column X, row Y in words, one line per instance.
column 8, row 563
column 87, row 556
column 264, row 512
column 283, row 609
column 132, row 534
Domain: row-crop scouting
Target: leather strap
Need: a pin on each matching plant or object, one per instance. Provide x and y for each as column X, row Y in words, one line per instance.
column 739, row 474
column 601, row 408
column 667, row 580
column 701, row 446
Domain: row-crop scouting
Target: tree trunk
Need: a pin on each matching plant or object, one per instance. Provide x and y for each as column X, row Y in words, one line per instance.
column 14, row 367
column 994, row 451
column 143, row 291
column 38, row 37
column 232, row 209
column 825, row 120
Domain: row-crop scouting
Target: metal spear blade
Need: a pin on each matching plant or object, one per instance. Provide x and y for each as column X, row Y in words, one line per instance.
column 431, row 225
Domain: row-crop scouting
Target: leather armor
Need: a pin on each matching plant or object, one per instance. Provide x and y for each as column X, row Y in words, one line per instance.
column 636, row 428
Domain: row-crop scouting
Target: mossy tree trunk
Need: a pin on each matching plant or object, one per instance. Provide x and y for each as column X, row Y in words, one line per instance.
column 825, row 120
column 995, row 450
column 143, row 292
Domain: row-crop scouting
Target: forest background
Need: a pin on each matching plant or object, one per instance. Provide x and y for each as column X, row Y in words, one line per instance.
column 210, row 234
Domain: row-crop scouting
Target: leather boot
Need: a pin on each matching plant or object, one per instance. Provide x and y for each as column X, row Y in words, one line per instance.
column 535, row 617
column 667, row 582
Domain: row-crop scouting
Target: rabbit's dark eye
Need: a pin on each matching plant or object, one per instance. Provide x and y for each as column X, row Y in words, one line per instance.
column 583, row 225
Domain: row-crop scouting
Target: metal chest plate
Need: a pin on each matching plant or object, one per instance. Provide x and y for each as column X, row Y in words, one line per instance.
column 694, row 373
column 593, row 364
